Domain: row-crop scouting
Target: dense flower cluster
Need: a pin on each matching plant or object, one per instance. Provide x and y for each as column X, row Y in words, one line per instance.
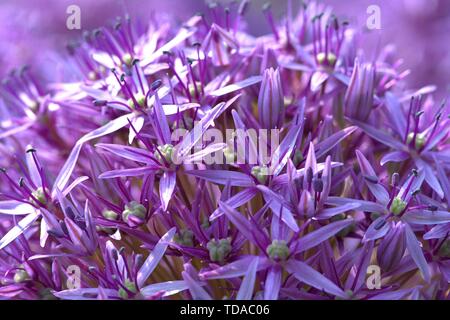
column 98, row 201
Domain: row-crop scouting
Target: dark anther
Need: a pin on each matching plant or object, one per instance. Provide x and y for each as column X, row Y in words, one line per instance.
column 156, row 84
column 318, row 185
column 55, row 233
column 63, row 226
column 114, row 254
column 395, row 179
column 100, row 103
column 86, row 35
column 80, row 223
column 117, row 25
column 266, row 6
column 69, row 213
column 380, row 224
column 309, row 175
column 97, row 32
column 419, row 113
column 371, row 179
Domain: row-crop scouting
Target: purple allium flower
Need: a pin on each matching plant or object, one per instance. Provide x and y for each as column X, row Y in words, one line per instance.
column 197, row 160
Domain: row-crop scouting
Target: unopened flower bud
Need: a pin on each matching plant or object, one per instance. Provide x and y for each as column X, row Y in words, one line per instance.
column 271, row 109
column 134, row 214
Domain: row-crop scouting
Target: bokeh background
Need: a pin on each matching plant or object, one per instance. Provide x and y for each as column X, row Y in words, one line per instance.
column 32, row 31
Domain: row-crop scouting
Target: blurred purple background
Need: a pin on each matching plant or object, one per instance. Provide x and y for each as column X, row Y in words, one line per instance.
column 31, row 31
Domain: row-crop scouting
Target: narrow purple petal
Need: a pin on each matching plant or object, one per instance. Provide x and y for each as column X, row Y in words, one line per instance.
column 375, row 188
column 196, row 290
column 311, row 277
column 415, row 250
column 248, row 283
column 154, row 257
column 13, row 207
column 377, row 229
column 280, row 207
column 127, row 152
column 133, row 172
column 395, row 156
column 329, row 143
column 273, row 283
column 423, row 217
column 380, row 136
column 167, row 187
column 20, row 228
column 236, row 86
column 168, row 288
column 232, row 178
column 236, row 201
column 322, row 234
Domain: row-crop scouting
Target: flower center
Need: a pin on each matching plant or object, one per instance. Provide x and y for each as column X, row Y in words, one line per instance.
column 165, row 151
column 140, row 98
column 219, row 249
column 419, row 141
column 39, row 195
column 397, row 206
column 444, row 250
column 278, row 250
column 185, row 238
column 229, row 155
column 260, row 173
column 326, row 59
column 131, row 286
column 127, row 59
column 20, row 276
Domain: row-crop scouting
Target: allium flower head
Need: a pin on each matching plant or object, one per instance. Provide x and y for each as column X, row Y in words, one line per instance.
column 196, row 160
